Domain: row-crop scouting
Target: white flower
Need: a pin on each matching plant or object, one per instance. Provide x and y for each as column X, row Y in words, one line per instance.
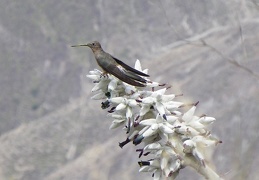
column 94, row 75
column 188, row 116
column 139, row 68
column 152, row 84
column 188, row 145
column 156, row 99
column 154, row 146
column 158, row 125
column 172, row 105
column 152, row 118
column 158, row 174
column 183, row 129
column 206, row 120
column 174, row 166
column 124, row 103
column 102, row 85
column 165, row 156
column 205, row 141
column 118, row 120
column 112, row 85
column 195, row 122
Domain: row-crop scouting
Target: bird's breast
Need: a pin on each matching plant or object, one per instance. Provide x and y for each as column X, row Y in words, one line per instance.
column 104, row 61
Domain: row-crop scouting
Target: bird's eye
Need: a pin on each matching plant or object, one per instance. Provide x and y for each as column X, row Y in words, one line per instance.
column 93, row 44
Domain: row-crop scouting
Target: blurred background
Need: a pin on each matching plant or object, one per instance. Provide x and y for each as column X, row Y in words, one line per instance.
column 51, row 129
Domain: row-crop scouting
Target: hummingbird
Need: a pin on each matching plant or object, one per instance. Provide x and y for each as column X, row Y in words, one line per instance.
column 116, row 67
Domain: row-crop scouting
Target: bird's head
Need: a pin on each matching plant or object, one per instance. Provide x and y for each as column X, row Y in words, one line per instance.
column 95, row 45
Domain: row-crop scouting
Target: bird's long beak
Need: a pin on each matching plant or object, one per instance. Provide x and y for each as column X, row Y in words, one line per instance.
column 80, row 45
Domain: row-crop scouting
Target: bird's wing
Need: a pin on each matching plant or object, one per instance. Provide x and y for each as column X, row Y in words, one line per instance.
column 119, row 72
column 127, row 67
column 132, row 74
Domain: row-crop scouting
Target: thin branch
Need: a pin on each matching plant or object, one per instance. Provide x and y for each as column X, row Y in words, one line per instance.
column 230, row 60
column 256, row 4
column 242, row 38
column 203, row 43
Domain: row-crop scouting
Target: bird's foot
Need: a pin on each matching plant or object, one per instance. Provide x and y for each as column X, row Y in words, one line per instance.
column 104, row 75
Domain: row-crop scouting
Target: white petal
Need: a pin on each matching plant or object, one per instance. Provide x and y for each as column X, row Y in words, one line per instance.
column 145, row 71
column 132, row 103
column 159, row 92
column 112, row 85
column 97, row 87
column 121, row 106
column 119, row 120
column 95, row 72
column 116, row 123
column 148, row 122
column 164, row 161
column 159, row 119
column 148, row 100
column 165, row 129
column 157, row 175
column 101, row 85
column 143, row 130
column 168, row 125
column 174, row 166
column 171, row 119
column 163, row 136
column 160, row 108
column 128, row 112
column 144, row 169
column 171, row 153
column 192, row 131
column 205, row 141
column 117, row 100
column 145, row 93
column 159, row 98
column 207, row 120
column 172, row 105
column 130, row 89
column 189, row 114
column 177, row 113
column 135, row 95
column 153, row 146
column 144, row 109
column 196, row 125
column 166, row 98
column 138, row 65
column 198, row 155
column 98, row 96
column 93, row 77
column 188, row 145
column 152, row 84
column 151, row 131
column 158, row 153
column 155, row 163
column 154, row 126
column 116, row 116
column 186, row 130
column 167, row 171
